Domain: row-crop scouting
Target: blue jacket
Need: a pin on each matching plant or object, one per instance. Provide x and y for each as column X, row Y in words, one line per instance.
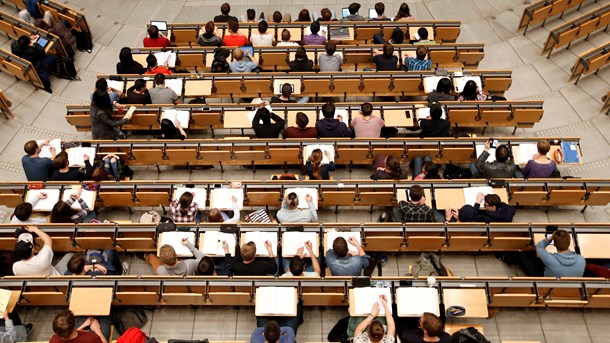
column 568, row 264
column 346, row 266
column 32, row 6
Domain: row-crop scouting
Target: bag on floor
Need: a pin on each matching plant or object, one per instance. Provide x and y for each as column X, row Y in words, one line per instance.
column 469, row 335
column 65, row 68
column 428, row 264
column 258, row 216
column 7, row 259
column 150, row 217
column 83, row 40
column 219, row 63
column 127, row 318
column 339, row 332
column 456, row 172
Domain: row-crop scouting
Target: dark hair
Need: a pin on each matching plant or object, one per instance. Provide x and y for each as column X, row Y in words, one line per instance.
column 432, row 324
column 444, row 85
column 328, row 110
column 326, row 14
column 139, row 84
column 340, row 247
column 101, row 99
column 101, row 84
column 393, row 163
column 272, row 332
column 209, row 27
column 159, row 78
column 125, row 56
column 562, row 240
column 64, row 324
column 296, row 266
column 388, row 50
column 376, row 331
column 41, row 24
column 302, row 120
column 421, row 52
column 379, row 8
column 502, row 153
column 301, row 54
column 436, row 111
column 285, row 35
column 153, row 31
column 251, row 14
column 431, row 169
column 398, row 37
column 314, row 27
column 366, row 109
column 30, row 147
column 185, row 201
column 206, row 266
column 233, row 25
column 354, row 7
column 304, row 15
column 292, row 200
column 423, row 33
column 76, row 264
column 493, row 200
column 23, row 211
column 331, row 47
column 264, row 115
column 470, row 91
column 23, row 41
column 151, row 61
column 277, row 17
column 61, row 160
column 62, row 213
column 169, row 130
column 262, row 26
column 286, row 90
column 225, row 8
column 99, row 174
column 416, row 192
column 403, row 12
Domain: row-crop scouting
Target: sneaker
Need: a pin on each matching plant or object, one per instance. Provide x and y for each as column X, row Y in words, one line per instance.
column 28, row 328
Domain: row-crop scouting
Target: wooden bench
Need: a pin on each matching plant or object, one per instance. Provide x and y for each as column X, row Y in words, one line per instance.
column 22, row 69
column 582, row 26
column 14, row 28
column 61, row 12
column 606, row 105
column 5, row 106
column 542, row 10
column 590, row 62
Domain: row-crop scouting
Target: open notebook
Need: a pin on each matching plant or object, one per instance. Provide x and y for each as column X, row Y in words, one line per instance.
column 76, row 155
column 276, row 301
column 259, row 238
column 292, row 241
column 365, row 297
column 220, row 198
column 183, row 116
column 45, row 151
column 330, row 237
column 311, row 147
column 87, row 196
column 251, row 114
column 174, row 238
column 43, row 204
column 301, row 193
column 414, row 301
column 430, row 82
column 201, row 195
column 212, row 243
column 164, row 57
column 175, row 85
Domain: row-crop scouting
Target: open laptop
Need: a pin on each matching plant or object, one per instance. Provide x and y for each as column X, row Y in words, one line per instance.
column 161, row 25
column 345, row 12
column 42, row 42
column 372, row 13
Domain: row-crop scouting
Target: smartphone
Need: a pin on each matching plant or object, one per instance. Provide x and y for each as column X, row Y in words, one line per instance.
column 549, row 235
column 493, row 143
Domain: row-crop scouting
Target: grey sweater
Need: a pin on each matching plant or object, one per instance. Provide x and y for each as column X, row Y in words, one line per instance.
column 184, row 267
column 284, row 215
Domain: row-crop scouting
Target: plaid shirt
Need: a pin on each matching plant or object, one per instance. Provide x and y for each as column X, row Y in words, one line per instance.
column 411, row 212
column 415, row 64
column 189, row 217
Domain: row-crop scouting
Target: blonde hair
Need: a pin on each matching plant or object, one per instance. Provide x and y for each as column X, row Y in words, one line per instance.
column 167, row 255
column 316, row 162
column 248, row 251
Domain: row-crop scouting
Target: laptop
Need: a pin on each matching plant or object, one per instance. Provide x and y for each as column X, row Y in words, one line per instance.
column 339, row 33
column 372, row 13
column 248, row 48
column 42, row 42
column 345, row 12
column 161, row 25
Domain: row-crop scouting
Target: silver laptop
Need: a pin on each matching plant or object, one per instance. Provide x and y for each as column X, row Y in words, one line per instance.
column 161, row 25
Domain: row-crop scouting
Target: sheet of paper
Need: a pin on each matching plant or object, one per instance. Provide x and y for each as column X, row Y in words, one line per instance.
column 294, row 240
column 323, row 31
column 460, row 82
column 175, row 85
column 164, row 57
column 201, row 195
column 221, row 198
column 424, row 112
column 275, row 301
column 414, row 301
column 118, row 85
column 259, row 238
column 492, row 152
column 311, row 147
column 526, row 152
column 301, row 193
column 43, row 204
column 183, row 116
column 174, row 239
column 330, row 237
column 470, row 194
column 75, row 155
column 5, row 296
column 45, row 151
column 338, row 112
column 87, row 196
column 430, row 83
column 212, row 243
column 365, row 297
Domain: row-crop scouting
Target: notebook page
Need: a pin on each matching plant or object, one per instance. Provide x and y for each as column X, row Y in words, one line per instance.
column 221, row 198
column 294, row 240
column 414, row 301
column 470, row 194
column 212, row 243
column 308, row 149
column 174, row 239
column 259, row 238
column 44, row 204
column 365, row 297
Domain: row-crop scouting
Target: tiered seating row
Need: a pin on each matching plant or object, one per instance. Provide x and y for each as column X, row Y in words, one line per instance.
column 14, row 28
column 606, row 105
column 21, row 68
column 542, row 10
column 590, row 62
column 60, row 12
column 5, row 107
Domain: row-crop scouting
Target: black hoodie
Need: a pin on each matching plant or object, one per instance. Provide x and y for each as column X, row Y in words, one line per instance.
column 332, row 128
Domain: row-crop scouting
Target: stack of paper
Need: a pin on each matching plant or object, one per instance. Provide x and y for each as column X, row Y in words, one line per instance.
column 183, row 116
column 174, row 238
column 166, row 57
column 302, row 193
column 307, row 150
column 460, row 82
column 365, row 297
column 276, row 301
column 424, row 112
column 76, row 155
column 338, row 112
column 200, row 197
column 330, row 237
column 292, row 241
column 414, row 301
column 259, row 238
column 212, row 243
column 45, row 151
column 470, row 194
column 492, row 152
column 43, row 204
column 87, row 196
column 221, row 198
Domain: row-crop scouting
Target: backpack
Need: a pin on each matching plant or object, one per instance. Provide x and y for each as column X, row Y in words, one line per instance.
column 339, row 332
column 150, row 217
column 469, row 335
column 7, row 259
column 219, row 63
column 83, row 40
column 456, row 172
column 65, row 68
column 127, row 318
column 428, row 264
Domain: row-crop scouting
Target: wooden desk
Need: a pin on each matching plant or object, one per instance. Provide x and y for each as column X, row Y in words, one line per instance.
column 237, row 120
column 197, row 87
column 473, row 300
column 399, row 118
column 81, row 303
column 454, row 197
column 593, row 245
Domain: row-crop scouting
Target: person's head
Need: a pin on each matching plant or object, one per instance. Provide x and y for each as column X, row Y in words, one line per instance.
column 215, row 216
column 153, row 31
column 167, row 255
column 159, row 79
column 302, row 120
column 436, row 111
column 31, row 148
column 248, row 251
column 185, row 201
column 99, row 174
column 326, row 14
column 388, row 50
column 328, row 110
column 353, row 8
column 272, row 332
column 24, row 248
column 101, row 99
column 233, row 26
column 314, row 28
column 206, row 266
column 543, row 147
column 366, row 109
column 238, row 54
column 277, row 17
column 286, row 90
column 444, row 85
column 168, row 129
column 23, row 41
column 209, row 27
column 64, row 324
column 292, row 200
column 301, row 54
column 340, row 247
column 403, row 11
column 140, row 85
column 316, row 163
column 296, row 266
column 264, row 115
column 502, row 153
column 416, row 193
column 151, row 61
column 101, row 84
column 76, row 264
column 431, row 324
column 285, row 35
column 41, row 24
column 422, row 32
column 376, row 331
column 379, row 9
column 125, row 55
column 251, row 14
column 61, row 160
column 470, row 91
column 62, row 213
column 330, row 47
column 561, row 239
column 23, row 211
column 393, row 164
column 262, row 27
column 431, row 170
column 421, row 52
column 225, row 9
column 492, row 200
column 304, row 15
column 398, row 37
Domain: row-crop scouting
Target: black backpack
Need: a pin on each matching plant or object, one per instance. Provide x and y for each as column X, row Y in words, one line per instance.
column 65, row 68
column 128, row 317
column 339, row 332
column 469, row 335
column 219, row 63
column 83, row 40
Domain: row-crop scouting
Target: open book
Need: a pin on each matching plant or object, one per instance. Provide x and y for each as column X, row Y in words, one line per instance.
column 183, row 116
column 45, row 151
column 200, row 197
column 424, row 112
column 175, row 85
column 5, row 297
column 43, row 204
column 414, row 301
column 87, row 196
column 292, row 241
column 276, row 301
column 212, row 243
column 470, row 194
column 75, row 155
column 164, row 57
column 301, row 193
column 338, row 112
column 330, row 237
column 220, row 198
column 174, row 238
column 460, row 82
column 259, row 238
column 308, row 149
column 365, row 297
column 118, row 85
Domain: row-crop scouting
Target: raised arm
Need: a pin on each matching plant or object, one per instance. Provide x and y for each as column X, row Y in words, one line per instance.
column 367, row 321
column 352, row 240
column 314, row 260
column 43, row 236
column 388, row 316
column 313, row 214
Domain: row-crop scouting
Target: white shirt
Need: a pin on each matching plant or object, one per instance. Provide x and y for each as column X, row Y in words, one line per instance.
column 309, row 274
column 261, row 40
column 39, row 265
column 282, row 43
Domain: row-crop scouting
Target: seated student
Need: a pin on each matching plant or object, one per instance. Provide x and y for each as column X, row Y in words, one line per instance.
column 63, row 212
column 64, row 173
column 304, row 16
column 61, row 31
column 329, row 61
column 404, row 13
column 314, row 167
column 420, row 63
column 262, row 38
column 290, row 212
column 276, row 17
column 325, row 15
column 111, row 164
column 239, row 65
column 208, row 36
column 171, row 131
column 37, row 168
column 388, row 167
column 13, row 330
column 297, row 266
column 95, row 262
column 267, row 129
column 101, row 112
column 341, row 263
column 101, row 85
column 376, row 333
column 564, row 263
column 184, row 209
column 425, row 169
column 415, row 209
column 329, row 126
column 368, row 125
column 379, row 10
column 234, row 37
column 217, row 216
column 65, row 323
column 398, row 37
column 245, row 263
column 353, row 8
column 161, row 94
column 316, row 37
column 286, row 39
column 434, row 125
column 471, row 92
column 430, row 330
column 442, row 91
column 540, row 165
column 273, row 332
column 224, row 17
column 168, row 263
column 285, row 96
column 250, row 16
column 502, row 167
column 29, row 264
column 301, row 130
column 494, row 210
column 422, row 32
column 207, row 266
column 23, row 212
column 154, row 68
column 301, row 61
column 138, row 93
column 127, row 65
column 28, row 49
column 155, row 38
column 385, row 60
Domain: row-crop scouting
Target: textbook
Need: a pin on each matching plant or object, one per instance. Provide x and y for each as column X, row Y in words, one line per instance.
column 43, row 204
column 183, row 116
column 76, row 156
column 470, row 194
column 330, row 237
column 292, row 241
column 308, row 149
column 365, row 297
column 200, row 197
column 414, row 301
column 276, row 301
column 87, row 196
column 220, row 198
column 118, row 85
column 259, row 238
column 5, row 297
column 212, row 243
column 164, row 57
column 174, row 238
column 301, row 193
